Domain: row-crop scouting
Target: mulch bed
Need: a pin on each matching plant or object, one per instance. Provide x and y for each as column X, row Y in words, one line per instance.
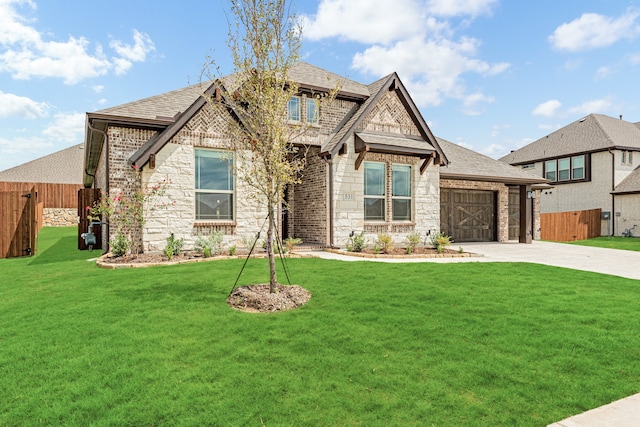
column 258, row 299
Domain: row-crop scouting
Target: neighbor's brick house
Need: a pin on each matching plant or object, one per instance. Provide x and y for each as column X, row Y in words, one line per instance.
column 373, row 165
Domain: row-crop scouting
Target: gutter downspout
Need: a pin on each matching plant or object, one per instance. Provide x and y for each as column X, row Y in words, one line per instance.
column 613, row 196
column 106, row 159
column 329, row 161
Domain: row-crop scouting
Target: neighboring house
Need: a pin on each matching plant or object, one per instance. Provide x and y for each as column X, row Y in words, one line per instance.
column 593, row 163
column 57, row 178
column 373, row 165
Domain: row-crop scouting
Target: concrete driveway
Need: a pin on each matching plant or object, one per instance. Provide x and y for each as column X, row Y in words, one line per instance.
column 599, row 260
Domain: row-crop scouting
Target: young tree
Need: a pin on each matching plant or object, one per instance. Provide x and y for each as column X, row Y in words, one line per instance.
column 264, row 41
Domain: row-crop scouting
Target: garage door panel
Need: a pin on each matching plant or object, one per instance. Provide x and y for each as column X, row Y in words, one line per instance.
column 468, row 215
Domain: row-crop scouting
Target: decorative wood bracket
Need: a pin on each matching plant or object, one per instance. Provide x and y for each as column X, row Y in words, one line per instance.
column 426, row 163
column 360, row 158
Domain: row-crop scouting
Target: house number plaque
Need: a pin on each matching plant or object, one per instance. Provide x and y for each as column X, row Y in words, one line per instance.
column 348, row 196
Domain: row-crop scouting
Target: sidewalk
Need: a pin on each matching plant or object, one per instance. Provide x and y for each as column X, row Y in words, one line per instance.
column 621, row 413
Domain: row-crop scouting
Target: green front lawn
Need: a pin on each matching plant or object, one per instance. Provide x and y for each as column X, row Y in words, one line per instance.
column 378, row 344
column 626, row 243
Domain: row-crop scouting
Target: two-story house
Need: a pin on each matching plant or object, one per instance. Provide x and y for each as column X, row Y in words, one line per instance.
column 372, row 165
column 593, row 163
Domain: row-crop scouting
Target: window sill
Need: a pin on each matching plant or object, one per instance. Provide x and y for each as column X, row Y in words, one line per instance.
column 201, row 223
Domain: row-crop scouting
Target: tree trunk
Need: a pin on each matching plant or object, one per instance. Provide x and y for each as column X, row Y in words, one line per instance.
column 273, row 282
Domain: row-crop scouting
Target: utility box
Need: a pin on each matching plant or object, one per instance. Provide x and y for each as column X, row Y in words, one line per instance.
column 605, row 215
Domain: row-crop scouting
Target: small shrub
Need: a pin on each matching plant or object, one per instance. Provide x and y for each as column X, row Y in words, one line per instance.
column 291, row 242
column 356, row 242
column 440, row 241
column 174, row 246
column 209, row 245
column 413, row 240
column 232, row 250
column 461, row 249
column 385, row 243
column 248, row 241
column 120, row 245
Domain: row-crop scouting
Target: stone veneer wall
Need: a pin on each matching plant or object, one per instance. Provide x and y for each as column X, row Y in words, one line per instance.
column 502, row 202
column 348, row 199
column 59, row 217
column 308, row 202
column 176, row 163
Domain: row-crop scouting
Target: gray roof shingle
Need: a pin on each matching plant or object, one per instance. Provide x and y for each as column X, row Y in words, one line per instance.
column 467, row 164
column 595, row 132
column 61, row 167
column 629, row 185
column 177, row 101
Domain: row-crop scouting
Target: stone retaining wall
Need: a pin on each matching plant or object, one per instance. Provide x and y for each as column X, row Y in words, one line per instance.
column 58, row 217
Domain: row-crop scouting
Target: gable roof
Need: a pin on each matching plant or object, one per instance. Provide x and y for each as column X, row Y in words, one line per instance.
column 595, row 132
column 629, row 185
column 169, row 112
column 377, row 89
column 469, row 165
column 61, row 167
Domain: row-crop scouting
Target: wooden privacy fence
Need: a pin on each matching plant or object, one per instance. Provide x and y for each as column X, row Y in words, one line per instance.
column 87, row 197
column 568, row 226
column 63, row 196
column 19, row 223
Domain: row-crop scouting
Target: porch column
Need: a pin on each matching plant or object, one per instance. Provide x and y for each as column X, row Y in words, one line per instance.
column 526, row 213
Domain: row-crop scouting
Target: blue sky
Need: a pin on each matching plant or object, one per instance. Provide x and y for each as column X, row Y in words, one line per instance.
column 491, row 75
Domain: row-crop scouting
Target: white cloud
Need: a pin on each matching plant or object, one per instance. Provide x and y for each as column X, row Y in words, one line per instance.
column 460, row 7
column 66, row 128
column 593, row 106
column 494, row 150
column 593, row 30
column 547, row 109
column 365, row 21
column 20, row 106
column 470, row 103
column 27, row 54
column 97, row 88
column 603, row 72
column 129, row 54
column 634, row 58
column 410, row 39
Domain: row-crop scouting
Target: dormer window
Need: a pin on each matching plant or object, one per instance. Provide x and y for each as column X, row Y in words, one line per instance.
column 294, row 109
column 312, row 111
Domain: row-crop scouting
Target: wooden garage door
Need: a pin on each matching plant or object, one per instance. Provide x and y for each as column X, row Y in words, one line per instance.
column 468, row 215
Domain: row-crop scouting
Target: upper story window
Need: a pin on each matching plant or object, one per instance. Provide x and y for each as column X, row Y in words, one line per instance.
column 312, row 111
column 627, row 158
column 529, row 166
column 294, row 109
column 566, row 169
column 214, row 185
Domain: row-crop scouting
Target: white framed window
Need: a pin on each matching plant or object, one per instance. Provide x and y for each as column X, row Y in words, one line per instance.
column 567, row 169
column 214, row 188
column 577, row 167
column 312, row 111
column 401, row 192
column 375, row 184
column 550, row 170
column 627, row 158
column 564, row 168
column 294, row 109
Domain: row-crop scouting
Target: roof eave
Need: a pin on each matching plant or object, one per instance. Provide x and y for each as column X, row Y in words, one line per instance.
column 488, row 178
